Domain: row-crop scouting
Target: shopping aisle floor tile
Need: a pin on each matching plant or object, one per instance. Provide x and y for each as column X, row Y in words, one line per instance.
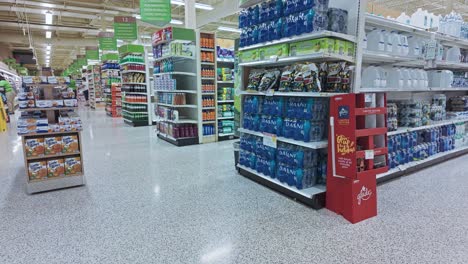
column 147, row 201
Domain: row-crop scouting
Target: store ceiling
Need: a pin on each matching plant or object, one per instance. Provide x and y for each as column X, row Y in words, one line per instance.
column 76, row 24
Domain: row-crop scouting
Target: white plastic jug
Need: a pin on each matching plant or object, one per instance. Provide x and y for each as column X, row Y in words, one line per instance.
column 388, row 42
column 414, row 47
column 383, row 77
column 394, row 78
column 371, row 77
column 439, row 52
column 441, row 79
column 420, row 18
column 407, row 81
column 376, row 40
column 453, row 55
column 414, row 78
column 422, row 78
column 404, row 18
column 397, row 47
column 404, row 45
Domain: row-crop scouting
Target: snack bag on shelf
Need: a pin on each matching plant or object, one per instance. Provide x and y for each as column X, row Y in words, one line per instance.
column 55, row 168
column 34, row 147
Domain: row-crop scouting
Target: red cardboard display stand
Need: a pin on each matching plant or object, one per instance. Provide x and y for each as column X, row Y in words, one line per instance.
column 357, row 153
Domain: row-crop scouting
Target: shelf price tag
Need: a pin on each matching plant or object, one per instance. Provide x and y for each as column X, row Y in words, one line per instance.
column 369, row 154
column 270, row 140
column 273, row 58
column 270, row 92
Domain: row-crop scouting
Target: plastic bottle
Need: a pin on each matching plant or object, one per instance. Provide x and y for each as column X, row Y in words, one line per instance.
column 404, row 45
column 414, row 45
column 388, row 41
column 376, row 40
column 397, row 46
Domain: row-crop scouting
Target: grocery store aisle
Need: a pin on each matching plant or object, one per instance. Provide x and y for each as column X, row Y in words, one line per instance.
column 149, row 202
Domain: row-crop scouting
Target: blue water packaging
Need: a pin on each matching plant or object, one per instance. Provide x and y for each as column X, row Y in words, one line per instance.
column 247, row 159
column 273, row 106
column 251, row 122
column 265, row 166
column 299, row 178
column 252, row 104
column 271, row 124
column 264, row 12
column 264, row 151
column 298, row 157
column 263, row 32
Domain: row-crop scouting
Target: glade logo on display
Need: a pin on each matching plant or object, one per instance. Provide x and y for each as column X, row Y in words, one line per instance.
column 364, row 195
column 343, row 112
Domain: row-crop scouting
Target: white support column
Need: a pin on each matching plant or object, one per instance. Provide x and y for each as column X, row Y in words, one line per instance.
column 190, row 14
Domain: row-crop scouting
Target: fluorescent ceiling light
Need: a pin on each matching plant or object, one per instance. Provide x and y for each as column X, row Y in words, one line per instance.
column 47, row 57
column 229, row 29
column 48, row 34
column 109, row 30
column 47, row 52
column 197, row 5
column 49, row 17
column 176, row 22
column 48, row 47
column 137, row 16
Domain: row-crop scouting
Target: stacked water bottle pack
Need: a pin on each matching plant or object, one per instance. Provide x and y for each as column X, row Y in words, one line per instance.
column 301, row 119
column 293, row 165
column 419, row 145
column 276, row 19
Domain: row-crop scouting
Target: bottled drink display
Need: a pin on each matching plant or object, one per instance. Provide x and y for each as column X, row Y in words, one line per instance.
column 133, row 67
column 208, row 86
column 292, row 165
column 133, row 58
column 165, row 83
column 172, row 98
column 208, row 101
column 209, row 115
column 178, row 131
column 302, row 119
column 208, row 130
column 276, row 19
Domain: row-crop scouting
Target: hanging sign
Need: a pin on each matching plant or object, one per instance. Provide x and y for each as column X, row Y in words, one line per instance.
column 92, row 53
column 107, row 41
column 125, row 28
column 156, row 12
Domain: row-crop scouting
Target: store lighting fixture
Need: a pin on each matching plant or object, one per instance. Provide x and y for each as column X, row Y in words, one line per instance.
column 176, row 22
column 197, row 5
column 48, row 34
column 109, row 30
column 48, row 47
column 229, row 29
column 49, row 17
column 47, row 52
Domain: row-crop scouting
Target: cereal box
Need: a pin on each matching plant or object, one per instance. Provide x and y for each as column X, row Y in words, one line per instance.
column 37, row 170
column 55, row 168
column 34, row 147
column 70, row 144
column 53, row 145
column 72, row 165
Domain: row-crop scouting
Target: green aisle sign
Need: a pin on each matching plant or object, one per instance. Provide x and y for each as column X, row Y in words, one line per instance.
column 92, row 53
column 107, row 41
column 125, row 28
column 156, row 12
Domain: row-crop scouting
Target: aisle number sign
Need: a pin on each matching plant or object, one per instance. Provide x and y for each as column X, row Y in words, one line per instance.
column 107, row 41
column 125, row 28
column 92, row 53
column 156, row 12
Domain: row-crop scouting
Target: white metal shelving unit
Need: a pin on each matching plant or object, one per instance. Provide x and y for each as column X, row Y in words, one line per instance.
column 184, row 72
column 313, row 196
column 374, row 58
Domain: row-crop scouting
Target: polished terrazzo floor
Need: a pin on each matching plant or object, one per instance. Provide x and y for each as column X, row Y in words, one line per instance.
column 149, row 202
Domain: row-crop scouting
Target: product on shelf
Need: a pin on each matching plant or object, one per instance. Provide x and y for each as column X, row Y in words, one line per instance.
column 458, row 104
column 178, row 131
column 208, row 130
column 413, row 113
column 172, row 98
column 392, row 117
column 275, row 19
column 226, row 127
column 293, row 165
column 53, row 145
column 132, row 58
column 225, row 74
column 34, row 147
column 134, row 78
column 208, row 101
column 209, row 115
column 207, row 56
column 37, row 170
column 70, row 144
column 73, row 165
column 134, row 88
column 165, row 83
column 132, row 67
column 223, row 53
column 419, row 145
column 55, row 168
column 225, row 94
column 208, row 72
column 208, row 86
column 173, row 49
